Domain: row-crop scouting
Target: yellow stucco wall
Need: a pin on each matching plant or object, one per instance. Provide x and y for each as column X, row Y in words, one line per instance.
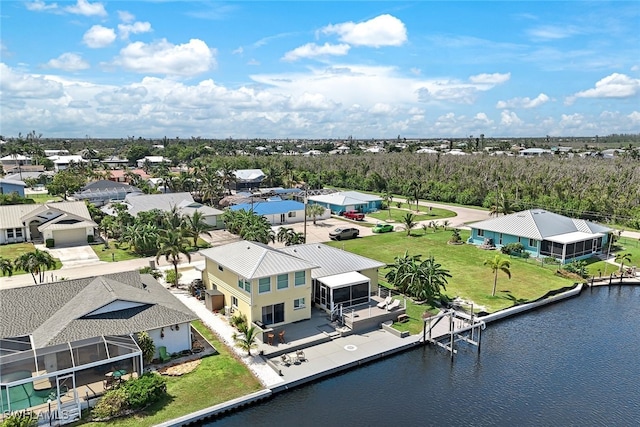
column 372, row 274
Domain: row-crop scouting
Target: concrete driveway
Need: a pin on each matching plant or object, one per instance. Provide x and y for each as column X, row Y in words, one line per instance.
column 319, row 232
column 73, row 256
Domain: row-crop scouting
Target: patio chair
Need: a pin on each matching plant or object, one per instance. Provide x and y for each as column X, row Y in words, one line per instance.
column 163, row 355
column 300, row 356
column 286, row 360
column 281, row 337
column 386, row 302
column 395, row 304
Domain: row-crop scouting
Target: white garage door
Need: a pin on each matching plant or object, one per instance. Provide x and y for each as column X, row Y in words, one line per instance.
column 70, row 237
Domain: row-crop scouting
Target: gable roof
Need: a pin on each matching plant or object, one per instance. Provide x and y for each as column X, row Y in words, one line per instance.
column 13, row 216
column 539, row 224
column 249, row 174
column 253, row 260
column 12, row 182
column 331, row 260
column 148, row 202
column 344, row 198
column 60, row 312
column 270, row 208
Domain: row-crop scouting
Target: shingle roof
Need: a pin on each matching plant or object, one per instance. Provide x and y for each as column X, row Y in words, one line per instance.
column 538, row 224
column 270, row 208
column 12, row 216
column 55, row 313
column 331, row 260
column 253, row 260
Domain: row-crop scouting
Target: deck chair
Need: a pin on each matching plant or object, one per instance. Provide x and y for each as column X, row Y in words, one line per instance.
column 300, row 356
column 164, row 356
column 386, row 302
column 286, row 360
column 395, row 304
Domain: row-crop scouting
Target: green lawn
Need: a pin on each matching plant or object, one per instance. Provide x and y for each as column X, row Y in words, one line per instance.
column 424, row 215
column 471, row 279
column 43, row 198
column 624, row 245
column 219, row 378
column 14, row 250
column 113, row 253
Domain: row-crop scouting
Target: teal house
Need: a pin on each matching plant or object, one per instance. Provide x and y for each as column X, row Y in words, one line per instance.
column 348, row 201
column 543, row 234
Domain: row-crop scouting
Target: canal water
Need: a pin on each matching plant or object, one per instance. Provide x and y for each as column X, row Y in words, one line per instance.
column 575, row 363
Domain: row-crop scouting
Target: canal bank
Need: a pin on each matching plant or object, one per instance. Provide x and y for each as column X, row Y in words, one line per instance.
column 330, row 358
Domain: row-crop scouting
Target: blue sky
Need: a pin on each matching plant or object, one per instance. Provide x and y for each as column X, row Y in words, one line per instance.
column 326, row 69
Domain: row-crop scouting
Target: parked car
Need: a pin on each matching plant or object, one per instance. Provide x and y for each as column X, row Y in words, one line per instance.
column 354, row 215
column 382, row 227
column 344, row 233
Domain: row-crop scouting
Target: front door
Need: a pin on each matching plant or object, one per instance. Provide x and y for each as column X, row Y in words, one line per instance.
column 282, row 218
column 323, row 296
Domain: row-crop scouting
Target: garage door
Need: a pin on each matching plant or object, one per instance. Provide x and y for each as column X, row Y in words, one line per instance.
column 70, row 237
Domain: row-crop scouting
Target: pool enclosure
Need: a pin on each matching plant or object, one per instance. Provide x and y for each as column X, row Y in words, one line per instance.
column 53, row 381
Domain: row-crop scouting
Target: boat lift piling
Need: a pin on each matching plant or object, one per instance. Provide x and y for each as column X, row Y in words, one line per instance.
column 467, row 329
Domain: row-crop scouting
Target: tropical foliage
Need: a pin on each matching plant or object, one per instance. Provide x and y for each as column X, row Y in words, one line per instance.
column 423, row 280
column 36, row 263
column 249, row 226
column 497, row 264
column 246, row 338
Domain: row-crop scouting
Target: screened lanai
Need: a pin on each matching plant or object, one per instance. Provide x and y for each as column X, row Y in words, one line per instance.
column 569, row 246
column 346, row 290
column 57, row 378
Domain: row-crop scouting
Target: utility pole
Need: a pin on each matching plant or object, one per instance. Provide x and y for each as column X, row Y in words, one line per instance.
column 305, row 215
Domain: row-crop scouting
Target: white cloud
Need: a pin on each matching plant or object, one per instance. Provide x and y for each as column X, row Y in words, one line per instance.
column 509, row 118
column 634, row 116
column 613, row 86
column 136, row 28
column 525, row 102
column 162, row 57
column 20, row 86
column 483, row 119
column 238, row 51
column 383, row 30
column 40, row 5
column 551, row 32
column 83, row 7
column 99, row 36
column 125, row 16
column 381, row 108
column 491, row 79
column 312, row 50
column 635, row 68
column 68, row 62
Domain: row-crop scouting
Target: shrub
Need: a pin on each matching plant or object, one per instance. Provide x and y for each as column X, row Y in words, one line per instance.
column 113, row 403
column 170, row 276
column 238, row 321
column 21, row 419
column 147, row 389
column 50, row 243
column 90, row 238
column 455, row 237
column 577, row 267
column 510, row 248
column 147, row 346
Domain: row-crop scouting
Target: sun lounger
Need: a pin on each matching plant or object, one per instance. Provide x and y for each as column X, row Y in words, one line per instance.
column 395, row 304
column 300, row 356
column 286, row 360
column 386, row 302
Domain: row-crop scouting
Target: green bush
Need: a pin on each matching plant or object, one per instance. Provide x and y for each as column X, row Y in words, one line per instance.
column 147, row 389
column 170, row 277
column 147, row 346
column 113, row 403
column 90, row 238
column 50, row 243
column 239, row 320
column 21, row 419
column 510, row 248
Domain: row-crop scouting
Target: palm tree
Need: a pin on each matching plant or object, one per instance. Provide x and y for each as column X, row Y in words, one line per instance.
column 503, row 206
column 314, row 211
column 397, row 274
column 408, row 222
column 173, row 244
column 387, row 196
column 195, row 225
column 415, row 189
column 6, row 266
column 498, row 264
column 431, row 277
column 247, row 338
column 29, row 263
column 622, row 258
column 45, row 261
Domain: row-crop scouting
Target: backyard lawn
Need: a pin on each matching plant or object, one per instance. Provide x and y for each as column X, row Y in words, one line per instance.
column 219, row 378
column 43, row 198
column 471, row 279
column 423, row 215
column 14, row 250
column 627, row 245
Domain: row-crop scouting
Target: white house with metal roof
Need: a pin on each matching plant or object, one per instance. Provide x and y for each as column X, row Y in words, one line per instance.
column 68, row 223
column 348, row 201
column 543, row 234
column 266, row 285
column 61, row 342
column 247, row 179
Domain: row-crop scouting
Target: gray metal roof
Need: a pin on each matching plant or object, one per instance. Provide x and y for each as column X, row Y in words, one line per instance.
column 538, row 224
column 55, row 313
column 253, row 260
column 331, row 260
column 148, row 202
column 345, row 198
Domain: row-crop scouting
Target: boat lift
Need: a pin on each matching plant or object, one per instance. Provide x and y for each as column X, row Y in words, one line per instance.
column 462, row 327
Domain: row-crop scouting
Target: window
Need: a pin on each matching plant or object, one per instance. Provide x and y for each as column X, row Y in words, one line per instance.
column 283, row 281
column 480, row 233
column 292, row 214
column 300, row 278
column 244, row 284
column 532, row 243
column 234, row 301
column 298, row 303
column 500, row 240
column 220, row 267
column 273, row 314
column 10, row 233
column 18, row 232
column 264, row 285
column 519, row 239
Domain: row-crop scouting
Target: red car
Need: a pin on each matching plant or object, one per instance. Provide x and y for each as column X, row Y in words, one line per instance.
column 356, row 216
